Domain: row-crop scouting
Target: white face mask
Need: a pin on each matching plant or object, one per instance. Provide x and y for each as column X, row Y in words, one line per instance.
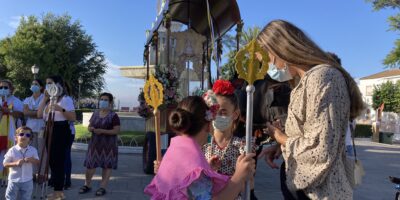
column 222, row 123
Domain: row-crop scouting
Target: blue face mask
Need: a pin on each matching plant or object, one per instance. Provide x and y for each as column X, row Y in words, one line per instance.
column 4, row 92
column 280, row 75
column 103, row 104
column 35, row 88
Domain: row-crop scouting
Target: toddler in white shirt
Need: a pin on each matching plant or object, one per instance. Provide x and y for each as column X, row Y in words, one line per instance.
column 20, row 160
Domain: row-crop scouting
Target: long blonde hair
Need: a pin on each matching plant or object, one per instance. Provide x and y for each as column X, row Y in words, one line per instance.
column 292, row 45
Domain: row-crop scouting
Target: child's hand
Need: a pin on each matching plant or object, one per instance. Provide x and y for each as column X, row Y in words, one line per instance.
column 245, row 167
column 20, row 162
column 31, row 160
column 214, row 162
column 156, row 166
column 97, row 131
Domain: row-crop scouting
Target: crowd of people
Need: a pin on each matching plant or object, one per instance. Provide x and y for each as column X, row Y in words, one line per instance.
column 206, row 160
column 42, row 126
column 312, row 139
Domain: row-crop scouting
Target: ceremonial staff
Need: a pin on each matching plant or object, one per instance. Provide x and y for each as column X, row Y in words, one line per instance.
column 250, row 68
column 43, row 174
column 153, row 94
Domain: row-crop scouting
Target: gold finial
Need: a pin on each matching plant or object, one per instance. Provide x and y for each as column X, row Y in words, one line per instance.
column 248, row 66
column 153, row 92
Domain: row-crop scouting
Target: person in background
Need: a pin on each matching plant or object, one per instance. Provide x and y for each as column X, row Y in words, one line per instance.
column 103, row 148
column 11, row 110
column 70, row 140
column 31, row 106
column 64, row 113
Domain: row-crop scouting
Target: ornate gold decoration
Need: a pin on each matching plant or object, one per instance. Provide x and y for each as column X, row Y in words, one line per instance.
column 248, row 66
column 153, row 92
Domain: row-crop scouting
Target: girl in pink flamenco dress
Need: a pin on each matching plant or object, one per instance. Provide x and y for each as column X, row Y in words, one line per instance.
column 184, row 172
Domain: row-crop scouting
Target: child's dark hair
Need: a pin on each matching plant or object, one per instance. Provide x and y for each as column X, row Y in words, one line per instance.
column 24, row 128
column 190, row 116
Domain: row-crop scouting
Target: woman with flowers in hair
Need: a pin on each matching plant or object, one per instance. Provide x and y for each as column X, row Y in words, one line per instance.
column 184, row 172
column 224, row 148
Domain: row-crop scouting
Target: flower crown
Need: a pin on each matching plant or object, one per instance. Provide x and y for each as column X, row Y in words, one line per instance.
column 211, row 101
column 223, row 87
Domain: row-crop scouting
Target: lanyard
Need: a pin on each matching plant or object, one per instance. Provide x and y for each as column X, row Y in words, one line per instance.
column 23, row 153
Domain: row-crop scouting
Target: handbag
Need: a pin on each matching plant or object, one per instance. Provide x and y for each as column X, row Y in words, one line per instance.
column 354, row 168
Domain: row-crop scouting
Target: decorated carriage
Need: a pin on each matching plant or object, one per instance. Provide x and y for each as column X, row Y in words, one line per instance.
column 179, row 50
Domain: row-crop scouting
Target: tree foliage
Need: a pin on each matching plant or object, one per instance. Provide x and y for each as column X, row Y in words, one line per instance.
column 392, row 60
column 59, row 46
column 389, row 94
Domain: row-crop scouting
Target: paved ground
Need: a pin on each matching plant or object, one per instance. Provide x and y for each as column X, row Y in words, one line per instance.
column 128, row 181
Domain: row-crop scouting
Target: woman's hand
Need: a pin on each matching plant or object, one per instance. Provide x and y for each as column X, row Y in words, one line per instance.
column 270, row 154
column 58, row 108
column 91, row 129
column 214, row 162
column 245, row 167
column 97, row 131
column 276, row 133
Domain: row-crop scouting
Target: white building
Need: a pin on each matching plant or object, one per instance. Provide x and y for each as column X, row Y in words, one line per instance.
column 368, row 83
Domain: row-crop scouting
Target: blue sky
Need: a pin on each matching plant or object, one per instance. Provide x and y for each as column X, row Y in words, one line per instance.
column 349, row 28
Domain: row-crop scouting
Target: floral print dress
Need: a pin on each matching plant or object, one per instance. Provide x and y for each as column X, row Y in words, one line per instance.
column 314, row 152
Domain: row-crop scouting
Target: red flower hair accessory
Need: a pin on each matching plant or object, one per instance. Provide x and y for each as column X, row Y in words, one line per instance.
column 223, row 87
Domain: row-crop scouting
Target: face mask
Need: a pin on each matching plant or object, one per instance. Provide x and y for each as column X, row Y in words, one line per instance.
column 4, row 92
column 222, row 122
column 103, row 104
column 35, row 88
column 280, row 75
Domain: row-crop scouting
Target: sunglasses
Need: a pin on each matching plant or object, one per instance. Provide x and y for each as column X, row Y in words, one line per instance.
column 4, row 87
column 24, row 134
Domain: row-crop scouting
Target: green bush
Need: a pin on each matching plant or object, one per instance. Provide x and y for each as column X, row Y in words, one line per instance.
column 363, row 130
column 126, row 138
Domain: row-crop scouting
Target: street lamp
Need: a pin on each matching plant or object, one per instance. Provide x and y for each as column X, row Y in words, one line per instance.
column 80, row 81
column 35, row 70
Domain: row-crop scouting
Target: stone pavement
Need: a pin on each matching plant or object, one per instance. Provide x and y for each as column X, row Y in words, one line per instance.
column 128, row 181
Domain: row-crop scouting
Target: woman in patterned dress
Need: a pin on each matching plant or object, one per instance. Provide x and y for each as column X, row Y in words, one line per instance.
column 321, row 105
column 103, row 149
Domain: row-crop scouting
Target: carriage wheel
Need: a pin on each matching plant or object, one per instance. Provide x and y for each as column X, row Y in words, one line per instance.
column 149, row 153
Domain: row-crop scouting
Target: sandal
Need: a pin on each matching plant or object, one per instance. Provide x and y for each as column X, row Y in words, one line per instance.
column 84, row 189
column 101, row 192
column 55, row 196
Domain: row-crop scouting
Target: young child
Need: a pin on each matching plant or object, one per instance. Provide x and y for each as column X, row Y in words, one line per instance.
column 225, row 148
column 20, row 160
column 184, row 172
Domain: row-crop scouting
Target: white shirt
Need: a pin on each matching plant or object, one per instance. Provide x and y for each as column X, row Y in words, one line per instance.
column 35, row 124
column 23, row 173
column 67, row 103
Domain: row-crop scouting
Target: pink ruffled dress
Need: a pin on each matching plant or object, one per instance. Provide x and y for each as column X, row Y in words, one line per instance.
column 183, row 163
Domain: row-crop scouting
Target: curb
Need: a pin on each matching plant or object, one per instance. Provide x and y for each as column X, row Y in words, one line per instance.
column 121, row 149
